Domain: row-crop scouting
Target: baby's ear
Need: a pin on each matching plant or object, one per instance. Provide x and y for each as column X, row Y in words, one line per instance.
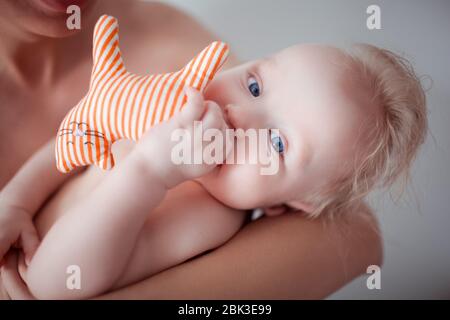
column 276, row 210
column 300, row 205
column 289, row 206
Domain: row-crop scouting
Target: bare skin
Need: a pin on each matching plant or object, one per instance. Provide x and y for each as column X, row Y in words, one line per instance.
column 157, row 58
column 36, row 91
column 326, row 256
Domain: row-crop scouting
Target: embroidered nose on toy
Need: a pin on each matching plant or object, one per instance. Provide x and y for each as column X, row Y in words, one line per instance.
column 121, row 105
column 79, row 133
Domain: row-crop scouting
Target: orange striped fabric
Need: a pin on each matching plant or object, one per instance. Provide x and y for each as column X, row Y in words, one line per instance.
column 121, row 105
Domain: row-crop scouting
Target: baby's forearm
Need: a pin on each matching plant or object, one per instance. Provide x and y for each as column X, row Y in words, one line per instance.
column 99, row 234
column 36, row 180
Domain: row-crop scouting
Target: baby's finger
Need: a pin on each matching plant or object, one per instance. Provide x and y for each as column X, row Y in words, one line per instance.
column 21, row 266
column 213, row 116
column 195, row 106
column 30, row 241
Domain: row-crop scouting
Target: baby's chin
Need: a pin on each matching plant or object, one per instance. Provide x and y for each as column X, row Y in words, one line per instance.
column 218, row 184
column 212, row 180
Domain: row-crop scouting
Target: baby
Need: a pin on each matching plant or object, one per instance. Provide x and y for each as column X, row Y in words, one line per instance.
column 345, row 120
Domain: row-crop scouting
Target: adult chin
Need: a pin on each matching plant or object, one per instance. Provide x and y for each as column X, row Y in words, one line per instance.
column 44, row 18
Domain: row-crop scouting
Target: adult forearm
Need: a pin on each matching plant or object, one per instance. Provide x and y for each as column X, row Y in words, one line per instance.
column 36, row 180
column 287, row 257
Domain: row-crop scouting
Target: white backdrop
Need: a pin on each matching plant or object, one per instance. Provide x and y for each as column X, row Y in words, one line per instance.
column 416, row 239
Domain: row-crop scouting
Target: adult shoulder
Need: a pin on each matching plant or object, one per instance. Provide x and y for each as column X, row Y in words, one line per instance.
column 176, row 35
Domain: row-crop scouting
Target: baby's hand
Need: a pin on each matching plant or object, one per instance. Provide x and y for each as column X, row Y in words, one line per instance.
column 17, row 229
column 157, row 145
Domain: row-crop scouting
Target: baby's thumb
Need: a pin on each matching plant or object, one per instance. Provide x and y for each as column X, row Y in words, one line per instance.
column 30, row 241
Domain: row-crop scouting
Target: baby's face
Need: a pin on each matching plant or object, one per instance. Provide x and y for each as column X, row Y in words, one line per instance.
column 306, row 93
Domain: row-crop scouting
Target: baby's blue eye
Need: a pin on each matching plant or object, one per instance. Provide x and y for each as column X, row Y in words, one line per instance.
column 253, row 86
column 277, row 142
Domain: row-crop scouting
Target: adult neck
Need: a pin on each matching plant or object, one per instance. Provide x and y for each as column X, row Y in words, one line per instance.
column 30, row 60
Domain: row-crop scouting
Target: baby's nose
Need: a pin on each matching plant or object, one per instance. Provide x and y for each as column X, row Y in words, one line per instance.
column 245, row 116
column 229, row 108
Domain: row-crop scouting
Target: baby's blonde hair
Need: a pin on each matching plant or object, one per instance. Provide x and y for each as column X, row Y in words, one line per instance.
column 395, row 137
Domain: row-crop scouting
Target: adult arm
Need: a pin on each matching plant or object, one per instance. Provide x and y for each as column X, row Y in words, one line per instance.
column 38, row 172
column 285, row 257
column 22, row 197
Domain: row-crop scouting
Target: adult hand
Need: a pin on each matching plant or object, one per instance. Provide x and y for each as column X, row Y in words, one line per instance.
column 12, row 281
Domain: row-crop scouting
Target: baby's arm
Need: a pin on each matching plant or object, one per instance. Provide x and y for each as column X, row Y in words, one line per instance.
column 179, row 230
column 22, row 197
column 99, row 234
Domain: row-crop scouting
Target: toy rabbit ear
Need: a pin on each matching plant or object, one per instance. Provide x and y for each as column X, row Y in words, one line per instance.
column 106, row 52
column 205, row 65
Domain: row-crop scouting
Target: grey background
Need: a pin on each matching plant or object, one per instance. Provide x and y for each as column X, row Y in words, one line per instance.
column 415, row 229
